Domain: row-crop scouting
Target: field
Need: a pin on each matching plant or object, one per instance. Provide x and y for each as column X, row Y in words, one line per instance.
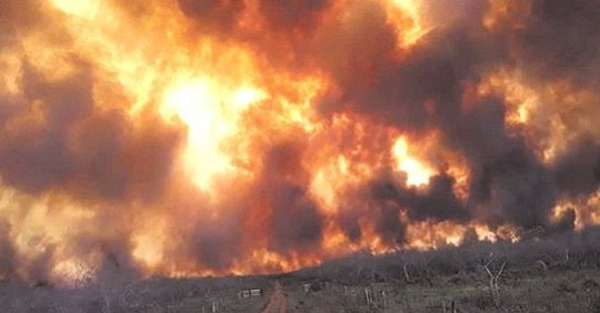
column 554, row 274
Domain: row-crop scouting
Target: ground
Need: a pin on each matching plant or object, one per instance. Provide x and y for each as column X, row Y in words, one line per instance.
column 558, row 274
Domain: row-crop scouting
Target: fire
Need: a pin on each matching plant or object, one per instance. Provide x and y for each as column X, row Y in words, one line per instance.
column 417, row 173
column 521, row 98
column 506, row 12
column 84, row 9
column 230, row 137
column 211, row 115
column 406, row 16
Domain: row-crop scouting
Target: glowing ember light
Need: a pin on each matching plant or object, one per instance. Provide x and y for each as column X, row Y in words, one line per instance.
column 11, row 75
column 405, row 15
column 211, row 115
column 522, row 99
column 80, row 8
column 416, row 172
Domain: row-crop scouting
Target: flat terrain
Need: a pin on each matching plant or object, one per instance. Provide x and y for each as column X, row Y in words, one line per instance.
column 557, row 274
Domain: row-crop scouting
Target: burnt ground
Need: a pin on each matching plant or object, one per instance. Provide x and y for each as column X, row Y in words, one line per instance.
column 560, row 273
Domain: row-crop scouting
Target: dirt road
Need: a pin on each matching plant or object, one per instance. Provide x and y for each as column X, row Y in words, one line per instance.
column 277, row 301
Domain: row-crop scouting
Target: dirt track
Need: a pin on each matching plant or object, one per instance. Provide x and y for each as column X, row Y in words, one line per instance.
column 277, row 301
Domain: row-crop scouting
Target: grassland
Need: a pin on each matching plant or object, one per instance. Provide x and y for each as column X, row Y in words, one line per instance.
column 559, row 273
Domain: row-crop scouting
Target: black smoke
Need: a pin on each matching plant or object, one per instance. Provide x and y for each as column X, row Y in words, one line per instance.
column 53, row 137
column 295, row 220
column 8, row 261
column 424, row 90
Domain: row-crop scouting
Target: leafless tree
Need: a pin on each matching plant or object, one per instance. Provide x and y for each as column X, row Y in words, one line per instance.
column 406, row 275
column 494, row 288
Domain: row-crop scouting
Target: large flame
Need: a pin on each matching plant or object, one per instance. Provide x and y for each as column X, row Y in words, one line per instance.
column 198, row 137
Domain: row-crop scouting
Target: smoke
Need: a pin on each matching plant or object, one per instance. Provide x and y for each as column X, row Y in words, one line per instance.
column 20, row 18
column 436, row 202
column 575, row 26
column 213, row 15
column 212, row 137
column 290, row 16
column 348, row 220
column 33, row 152
column 295, row 219
column 577, row 171
column 63, row 142
column 505, row 174
column 7, row 253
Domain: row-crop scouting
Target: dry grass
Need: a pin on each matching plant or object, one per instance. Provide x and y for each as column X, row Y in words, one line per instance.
column 559, row 274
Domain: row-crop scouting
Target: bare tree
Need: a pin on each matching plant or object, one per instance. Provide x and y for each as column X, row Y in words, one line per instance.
column 406, row 275
column 494, row 288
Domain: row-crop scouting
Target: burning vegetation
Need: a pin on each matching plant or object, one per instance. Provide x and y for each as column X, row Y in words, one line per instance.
column 207, row 137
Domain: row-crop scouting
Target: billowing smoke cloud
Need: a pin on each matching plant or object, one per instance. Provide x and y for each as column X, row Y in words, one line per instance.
column 578, row 170
column 436, row 202
column 65, row 143
column 252, row 135
column 426, row 89
column 7, row 253
column 576, row 26
column 214, row 15
column 295, row 219
column 292, row 15
column 505, row 175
